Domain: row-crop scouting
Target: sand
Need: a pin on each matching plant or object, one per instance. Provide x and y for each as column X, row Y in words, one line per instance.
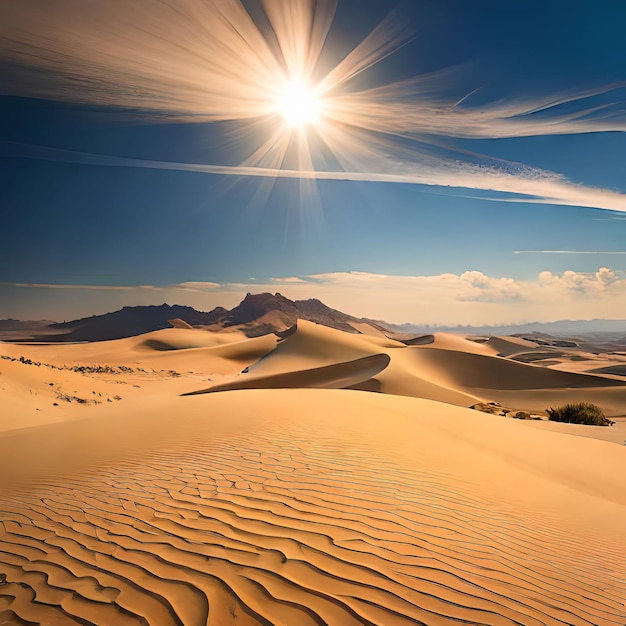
column 301, row 505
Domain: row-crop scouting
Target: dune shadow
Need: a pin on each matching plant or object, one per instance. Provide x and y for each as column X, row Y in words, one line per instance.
column 337, row 376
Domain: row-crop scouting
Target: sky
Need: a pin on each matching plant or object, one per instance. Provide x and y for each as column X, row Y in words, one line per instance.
column 443, row 162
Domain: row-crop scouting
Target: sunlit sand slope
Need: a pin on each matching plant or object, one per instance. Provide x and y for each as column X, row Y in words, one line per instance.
column 50, row 383
column 450, row 369
column 169, row 348
column 305, row 507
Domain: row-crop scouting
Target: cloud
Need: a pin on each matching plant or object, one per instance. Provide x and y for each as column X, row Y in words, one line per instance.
column 595, row 252
column 416, row 106
column 601, row 283
column 289, row 280
column 211, row 61
column 534, row 186
column 471, row 297
column 483, row 288
column 197, row 286
column 84, row 287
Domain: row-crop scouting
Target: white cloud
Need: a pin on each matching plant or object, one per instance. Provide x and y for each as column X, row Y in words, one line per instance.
column 289, row 279
column 85, row 287
column 530, row 185
column 471, row 297
column 596, row 252
column 197, row 286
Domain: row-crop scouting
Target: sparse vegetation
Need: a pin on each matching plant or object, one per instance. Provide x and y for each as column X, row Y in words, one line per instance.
column 580, row 413
column 494, row 408
column 90, row 369
column 68, row 398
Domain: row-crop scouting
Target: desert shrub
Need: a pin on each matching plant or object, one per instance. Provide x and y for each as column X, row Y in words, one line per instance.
column 580, row 413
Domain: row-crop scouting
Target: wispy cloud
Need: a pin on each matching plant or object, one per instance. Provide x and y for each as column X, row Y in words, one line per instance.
column 187, row 286
column 535, row 186
column 198, row 285
column 211, row 61
column 290, row 280
column 593, row 252
column 82, row 287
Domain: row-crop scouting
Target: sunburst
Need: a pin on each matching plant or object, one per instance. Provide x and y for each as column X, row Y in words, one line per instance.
column 209, row 60
column 264, row 65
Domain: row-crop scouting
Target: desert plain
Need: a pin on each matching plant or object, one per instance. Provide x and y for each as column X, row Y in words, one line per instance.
column 312, row 477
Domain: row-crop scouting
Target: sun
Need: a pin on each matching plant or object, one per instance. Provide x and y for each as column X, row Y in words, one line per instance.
column 298, row 104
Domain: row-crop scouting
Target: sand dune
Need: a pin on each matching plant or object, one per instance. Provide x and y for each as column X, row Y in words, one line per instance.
column 51, row 383
column 162, row 349
column 264, row 508
column 459, row 343
column 484, row 372
column 313, row 346
column 449, row 369
column 124, row 502
column 506, row 346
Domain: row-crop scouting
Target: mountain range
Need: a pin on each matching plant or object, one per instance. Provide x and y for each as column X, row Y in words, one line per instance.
column 257, row 314
column 560, row 327
column 260, row 314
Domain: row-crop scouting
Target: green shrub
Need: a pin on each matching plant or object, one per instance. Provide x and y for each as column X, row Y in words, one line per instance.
column 581, row 413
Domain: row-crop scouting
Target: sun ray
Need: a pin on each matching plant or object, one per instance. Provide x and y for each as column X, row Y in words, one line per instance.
column 249, row 63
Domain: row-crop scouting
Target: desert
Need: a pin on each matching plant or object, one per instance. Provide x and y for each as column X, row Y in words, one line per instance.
column 186, row 476
column 312, row 312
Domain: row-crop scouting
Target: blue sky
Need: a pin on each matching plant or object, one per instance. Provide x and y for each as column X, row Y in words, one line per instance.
column 489, row 188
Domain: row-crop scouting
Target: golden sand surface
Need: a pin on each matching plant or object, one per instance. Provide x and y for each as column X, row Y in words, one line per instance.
column 300, row 505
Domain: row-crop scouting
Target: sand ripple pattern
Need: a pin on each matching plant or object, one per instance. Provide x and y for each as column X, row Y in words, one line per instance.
column 289, row 527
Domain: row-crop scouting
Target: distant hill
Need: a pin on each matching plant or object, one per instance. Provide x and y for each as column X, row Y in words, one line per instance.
column 16, row 330
column 255, row 315
column 259, row 314
column 11, row 324
column 130, row 321
column 559, row 328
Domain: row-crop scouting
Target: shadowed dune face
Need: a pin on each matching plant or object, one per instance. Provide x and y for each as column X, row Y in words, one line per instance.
column 484, row 372
column 338, row 376
column 155, row 344
column 615, row 370
column 421, row 340
column 265, row 508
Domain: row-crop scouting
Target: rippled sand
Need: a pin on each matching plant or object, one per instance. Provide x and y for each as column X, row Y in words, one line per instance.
column 298, row 506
